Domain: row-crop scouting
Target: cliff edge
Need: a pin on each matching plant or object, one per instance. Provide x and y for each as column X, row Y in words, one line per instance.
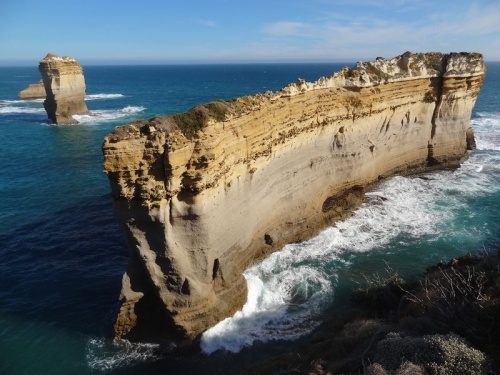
column 203, row 194
column 64, row 87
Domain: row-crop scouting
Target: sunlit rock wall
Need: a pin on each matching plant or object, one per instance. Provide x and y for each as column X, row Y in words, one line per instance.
column 202, row 195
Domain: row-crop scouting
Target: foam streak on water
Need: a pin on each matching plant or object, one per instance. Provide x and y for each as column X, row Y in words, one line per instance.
column 103, row 96
column 288, row 290
column 99, row 116
column 105, row 355
column 19, row 109
column 57, row 223
column 33, row 110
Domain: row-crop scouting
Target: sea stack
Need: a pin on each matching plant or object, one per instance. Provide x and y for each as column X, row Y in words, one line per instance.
column 203, row 194
column 65, row 88
column 33, row 91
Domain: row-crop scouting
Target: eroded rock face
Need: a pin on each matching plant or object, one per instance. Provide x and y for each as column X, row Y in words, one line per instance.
column 33, row 91
column 65, row 88
column 201, row 195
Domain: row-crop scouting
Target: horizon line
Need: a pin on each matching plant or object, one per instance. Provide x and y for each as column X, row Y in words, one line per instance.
column 83, row 62
column 131, row 62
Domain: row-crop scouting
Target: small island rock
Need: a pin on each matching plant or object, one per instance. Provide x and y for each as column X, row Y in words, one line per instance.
column 33, row 91
column 65, row 88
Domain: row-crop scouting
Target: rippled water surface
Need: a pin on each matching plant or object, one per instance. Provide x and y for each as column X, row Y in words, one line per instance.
column 63, row 255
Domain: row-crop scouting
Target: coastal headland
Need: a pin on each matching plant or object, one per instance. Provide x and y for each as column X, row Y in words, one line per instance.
column 203, row 194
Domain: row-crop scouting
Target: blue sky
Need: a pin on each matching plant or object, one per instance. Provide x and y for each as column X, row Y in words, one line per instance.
column 205, row 31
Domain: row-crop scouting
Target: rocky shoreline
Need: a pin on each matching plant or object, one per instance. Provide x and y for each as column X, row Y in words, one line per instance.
column 448, row 321
column 203, row 194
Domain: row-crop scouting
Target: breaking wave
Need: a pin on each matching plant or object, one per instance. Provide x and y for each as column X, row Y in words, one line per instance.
column 307, row 272
column 26, row 110
column 34, row 112
column 105, row 115
column 103, row 96
column 14, row 109
column 487, row 129
column 288, row 291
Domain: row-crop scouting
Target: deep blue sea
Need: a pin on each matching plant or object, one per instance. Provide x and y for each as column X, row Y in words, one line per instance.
column 62, row 255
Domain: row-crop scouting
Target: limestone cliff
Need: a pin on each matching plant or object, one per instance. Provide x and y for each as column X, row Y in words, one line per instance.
column 201, row 195
column 33, row 91
column 65, row 88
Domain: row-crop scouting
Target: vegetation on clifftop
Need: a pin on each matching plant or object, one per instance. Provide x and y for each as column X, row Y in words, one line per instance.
column 448, row 322
column 197, row 117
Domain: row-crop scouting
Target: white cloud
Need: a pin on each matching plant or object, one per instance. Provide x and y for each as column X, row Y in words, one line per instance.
column 481, row 20
column 471, row 26
column 208, row 23
column 284, row 28
column 348, row 36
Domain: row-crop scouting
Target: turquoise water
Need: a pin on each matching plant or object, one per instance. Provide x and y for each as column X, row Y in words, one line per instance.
column 62, row 255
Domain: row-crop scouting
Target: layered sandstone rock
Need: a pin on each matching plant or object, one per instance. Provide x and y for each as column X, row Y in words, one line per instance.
column 65, row 88
column 202, row 195
column 33, row 91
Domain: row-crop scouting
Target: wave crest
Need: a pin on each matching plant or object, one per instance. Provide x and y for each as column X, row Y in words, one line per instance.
column 103, row 96
column 106, row 115
column 288, row 290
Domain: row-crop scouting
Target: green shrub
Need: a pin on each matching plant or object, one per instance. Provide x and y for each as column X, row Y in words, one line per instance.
column 407, row 368
column 218, row 109
column 191, row 121
column 196, row 118
column 375, row 369
column 438, row 354
column 382, row 292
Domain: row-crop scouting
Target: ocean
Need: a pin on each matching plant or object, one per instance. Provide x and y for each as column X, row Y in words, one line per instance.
column 62, row 255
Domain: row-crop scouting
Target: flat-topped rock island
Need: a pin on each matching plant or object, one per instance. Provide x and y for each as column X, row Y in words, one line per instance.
column 33, row 91
column 203, row 194
column 64, row 85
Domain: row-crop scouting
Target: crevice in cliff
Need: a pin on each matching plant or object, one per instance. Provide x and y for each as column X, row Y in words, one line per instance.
column 431, row 161
column 437, row 84
column 167, row 169
column 152, row 321
column 268, row 239
column 216, row 271
column 436, row 109
column 218, row 280
column 186, row 289
column 438, row 87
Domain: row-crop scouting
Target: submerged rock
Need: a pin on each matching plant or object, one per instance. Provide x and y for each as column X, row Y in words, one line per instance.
column 202, row 195
column 65, row 88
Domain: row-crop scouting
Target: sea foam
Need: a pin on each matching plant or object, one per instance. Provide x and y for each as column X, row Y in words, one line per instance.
column 14, row 109
column 487, row 130
column 33, row 107
column 106, row 355
column 288, row 291
column 106, row 115
column 103, row 96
